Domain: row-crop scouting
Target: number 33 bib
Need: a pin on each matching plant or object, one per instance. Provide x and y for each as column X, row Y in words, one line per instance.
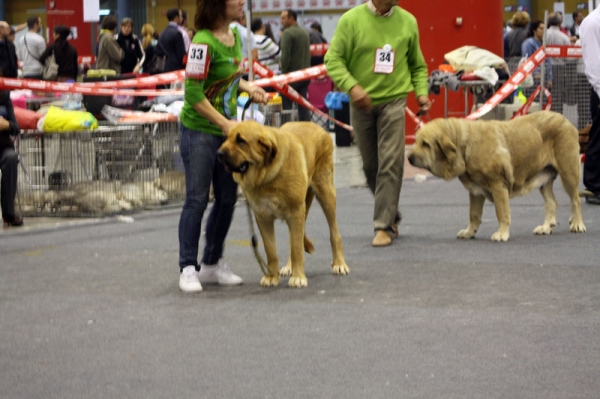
column 384, row 60
column 198, row 61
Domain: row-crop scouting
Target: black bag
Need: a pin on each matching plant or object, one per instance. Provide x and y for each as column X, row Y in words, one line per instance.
column 157, row 64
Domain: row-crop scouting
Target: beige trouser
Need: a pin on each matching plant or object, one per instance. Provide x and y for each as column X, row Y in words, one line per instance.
column 379, row 134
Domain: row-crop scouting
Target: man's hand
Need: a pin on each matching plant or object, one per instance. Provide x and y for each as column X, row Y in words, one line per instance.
column 360, row 98
column 424, row 105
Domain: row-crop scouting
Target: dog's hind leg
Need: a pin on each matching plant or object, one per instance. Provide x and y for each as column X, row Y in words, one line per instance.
column 570, row 183
column 325, row 192
column 550, row 206
column 267, row 231
column 475, row 212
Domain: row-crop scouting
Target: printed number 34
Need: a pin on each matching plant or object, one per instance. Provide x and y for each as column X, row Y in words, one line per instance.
column 385, row 56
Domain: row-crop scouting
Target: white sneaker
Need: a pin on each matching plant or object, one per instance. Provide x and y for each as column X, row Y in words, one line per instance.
column 188, row 280
column 219, row 274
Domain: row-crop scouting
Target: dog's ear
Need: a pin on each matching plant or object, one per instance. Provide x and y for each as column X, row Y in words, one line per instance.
column 447, row 148
column 270, row 149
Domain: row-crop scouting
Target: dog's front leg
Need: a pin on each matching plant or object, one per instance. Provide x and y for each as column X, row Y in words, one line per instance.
column 296, row 228
column 266, row 225
column 475, row 212
column 500, row 195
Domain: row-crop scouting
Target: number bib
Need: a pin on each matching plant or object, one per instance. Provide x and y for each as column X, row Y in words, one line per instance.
column 198, row 61
column 384, row 60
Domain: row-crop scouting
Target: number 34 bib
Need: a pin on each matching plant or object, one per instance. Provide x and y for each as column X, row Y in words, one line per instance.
column 384, row 60
column 198, row 61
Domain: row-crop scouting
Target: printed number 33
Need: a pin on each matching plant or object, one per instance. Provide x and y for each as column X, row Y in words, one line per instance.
column 197, row 54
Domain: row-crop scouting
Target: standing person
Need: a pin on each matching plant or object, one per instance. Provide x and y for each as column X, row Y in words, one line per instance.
column 574, row 30
column 316, row 37
column 110, row 53
column 148, row 45
column 268, row 51
column 531, row 45
column 208, row 113
column 590, row 46
column 9, row 161
column 378, row 79
column 295, row 55
column 8, row 53
column 31, row 47
column 184, row 30
column 171, row 43
column 65, row 54
column 518, row 34
column 240, row 25
column 133, row 52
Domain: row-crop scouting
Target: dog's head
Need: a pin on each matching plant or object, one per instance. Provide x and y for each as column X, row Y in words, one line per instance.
column 435, row 149
column 249, row 147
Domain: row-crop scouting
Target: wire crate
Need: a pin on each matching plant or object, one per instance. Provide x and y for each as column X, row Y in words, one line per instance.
column 94, row 173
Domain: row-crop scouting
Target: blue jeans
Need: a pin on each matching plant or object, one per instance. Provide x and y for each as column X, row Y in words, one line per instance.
column 199, row 155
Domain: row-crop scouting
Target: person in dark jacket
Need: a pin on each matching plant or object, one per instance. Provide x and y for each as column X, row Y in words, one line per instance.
column 134, row 55
column 8, row 54
column 170, row 42
column 8, row 160
column 148, row 45
column 65, row 54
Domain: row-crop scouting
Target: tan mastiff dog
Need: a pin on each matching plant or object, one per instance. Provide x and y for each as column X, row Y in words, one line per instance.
column 500, row 160
column 280, row 172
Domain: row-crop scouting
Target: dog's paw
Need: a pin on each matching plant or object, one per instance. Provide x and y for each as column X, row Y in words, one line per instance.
column 342, row 269
column 267, row 281
column 466, row 233
column 578, row 227
column 298, row 282
column 543, row 230
column 500, row 236
column 286, row 271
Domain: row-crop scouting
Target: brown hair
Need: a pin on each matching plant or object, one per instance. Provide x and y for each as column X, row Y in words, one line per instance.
column 520, row 19
column 209, row 13
column 109, row 22
column 148, row 33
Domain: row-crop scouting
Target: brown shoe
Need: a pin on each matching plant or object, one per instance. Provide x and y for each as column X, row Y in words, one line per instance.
column 14, row 221
column 382, row 239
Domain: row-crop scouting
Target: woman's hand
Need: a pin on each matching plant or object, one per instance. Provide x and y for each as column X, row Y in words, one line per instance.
column 4, row 124
column 258, row 94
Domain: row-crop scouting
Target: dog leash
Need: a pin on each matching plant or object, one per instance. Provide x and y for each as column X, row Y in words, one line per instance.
column 261, row 262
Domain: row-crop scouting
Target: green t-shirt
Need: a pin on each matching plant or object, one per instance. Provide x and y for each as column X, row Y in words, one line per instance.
column 220, row 87
column 350, row 59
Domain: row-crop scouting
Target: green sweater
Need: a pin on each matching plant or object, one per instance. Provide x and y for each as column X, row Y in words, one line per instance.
column 295, row 49
column 220, row 87
column 350, row 59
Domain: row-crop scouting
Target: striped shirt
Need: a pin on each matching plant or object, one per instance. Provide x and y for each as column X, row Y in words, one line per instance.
column 268, row 52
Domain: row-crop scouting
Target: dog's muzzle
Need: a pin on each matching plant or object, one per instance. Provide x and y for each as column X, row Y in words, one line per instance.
column 223, row 157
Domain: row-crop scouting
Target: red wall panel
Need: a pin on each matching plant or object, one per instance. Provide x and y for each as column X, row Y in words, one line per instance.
column 70, row 13
column 481, row 26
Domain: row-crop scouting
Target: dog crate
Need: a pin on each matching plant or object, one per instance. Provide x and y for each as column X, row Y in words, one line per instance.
column 111, row 170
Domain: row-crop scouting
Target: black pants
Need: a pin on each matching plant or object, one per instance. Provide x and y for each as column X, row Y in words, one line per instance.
column 591, row 166
column 304, row 114
column 8, row 184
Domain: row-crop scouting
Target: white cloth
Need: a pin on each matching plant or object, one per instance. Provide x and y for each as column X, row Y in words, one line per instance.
column 472, row 58
column 589, row 33
column 30, row 53
column 186, row 38
column 244, row 36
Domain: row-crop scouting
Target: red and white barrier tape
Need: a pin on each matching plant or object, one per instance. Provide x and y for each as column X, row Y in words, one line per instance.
column 292, row 94
column 511, row 84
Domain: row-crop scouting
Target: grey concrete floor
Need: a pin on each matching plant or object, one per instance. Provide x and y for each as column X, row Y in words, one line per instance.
column 92, row 308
